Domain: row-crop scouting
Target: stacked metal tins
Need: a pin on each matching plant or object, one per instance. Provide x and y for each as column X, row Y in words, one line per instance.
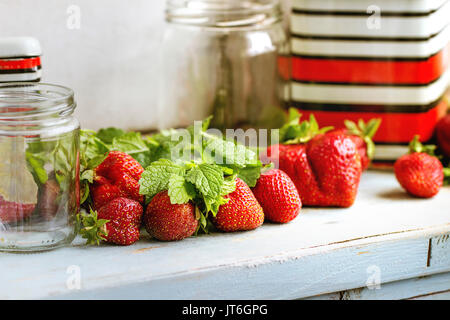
column 353, row 59
column 20, row 59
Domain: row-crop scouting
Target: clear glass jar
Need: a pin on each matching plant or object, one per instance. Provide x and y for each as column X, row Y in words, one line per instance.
column 228, row 58
column 39, row 166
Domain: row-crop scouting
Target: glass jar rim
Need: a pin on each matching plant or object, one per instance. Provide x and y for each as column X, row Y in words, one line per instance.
column 19, row 100
column 223, row 13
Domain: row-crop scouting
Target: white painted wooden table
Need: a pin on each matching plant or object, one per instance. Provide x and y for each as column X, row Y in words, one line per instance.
column 386, row 237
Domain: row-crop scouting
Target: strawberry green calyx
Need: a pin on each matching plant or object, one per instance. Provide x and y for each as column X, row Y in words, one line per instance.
column 91, row 228
column 416, row 146
column 446, row 176
column 366, row 131
column 296, row 132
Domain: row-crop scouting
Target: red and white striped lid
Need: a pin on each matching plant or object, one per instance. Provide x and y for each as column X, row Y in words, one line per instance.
column 20, row 59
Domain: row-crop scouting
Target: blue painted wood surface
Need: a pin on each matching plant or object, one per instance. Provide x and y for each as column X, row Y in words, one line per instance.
column 386, row 237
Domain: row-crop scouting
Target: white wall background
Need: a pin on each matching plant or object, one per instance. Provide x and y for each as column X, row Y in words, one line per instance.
column 111, row 61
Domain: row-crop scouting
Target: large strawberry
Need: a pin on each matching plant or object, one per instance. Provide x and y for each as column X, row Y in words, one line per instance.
column 169, row 222
column 278, row 196
column 324, row 166
column 117, row 222
column 443, row 135
column 117, row 176
column 241, row 212
column 420, row 173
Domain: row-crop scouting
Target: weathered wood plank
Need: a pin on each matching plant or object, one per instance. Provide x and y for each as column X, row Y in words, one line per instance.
column 416, row 288
column 322, row 251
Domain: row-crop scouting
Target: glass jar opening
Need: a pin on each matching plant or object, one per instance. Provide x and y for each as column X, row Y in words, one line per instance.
column 223, row 13
column 29, row 100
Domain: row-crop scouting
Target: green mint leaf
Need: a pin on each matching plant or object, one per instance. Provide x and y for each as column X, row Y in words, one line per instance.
column 219, row 151
column 207, row 178
column 228, row 186
column 133, row 144
column 155, row 177
column 91, row 146
column 87, row 175
column 250, row 174
column 180, row 191
column 107, row 135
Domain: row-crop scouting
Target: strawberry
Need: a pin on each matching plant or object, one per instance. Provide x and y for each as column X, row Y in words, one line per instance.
column 443, row 135
column 324, row 166
column 278, row 196
column 362, row 134
column 420, row 173
column 241, row 212
column 117, row 222
column 117, row 176
column 169, row 222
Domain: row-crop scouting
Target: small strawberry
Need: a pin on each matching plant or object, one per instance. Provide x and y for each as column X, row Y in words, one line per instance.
column 362, row 134
column 420, row 173
column 169, row 222
column 117, row 222
column 443, row 135
column 324, row 166
column 117, row 176
column 278, row 196
column 241, row 212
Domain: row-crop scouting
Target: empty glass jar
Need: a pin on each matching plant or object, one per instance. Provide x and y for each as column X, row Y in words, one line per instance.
column 228, row 58
column 39, row 166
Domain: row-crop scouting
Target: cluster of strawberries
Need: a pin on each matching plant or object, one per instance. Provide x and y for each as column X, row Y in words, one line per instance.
column 323, row 170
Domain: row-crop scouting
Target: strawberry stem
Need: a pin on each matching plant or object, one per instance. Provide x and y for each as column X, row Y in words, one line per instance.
column 295, row 132
column 446, row 176
column 91, row 228
column 416, row 146
column 366, row 131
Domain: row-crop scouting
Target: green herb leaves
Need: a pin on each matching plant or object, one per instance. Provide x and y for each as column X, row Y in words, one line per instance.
column 156, row 177
column 205, row 184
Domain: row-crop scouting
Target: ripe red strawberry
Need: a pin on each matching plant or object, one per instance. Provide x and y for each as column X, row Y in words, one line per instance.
column 443, row 135
column 325, row 167
column 117, row 222
column 362, row 134
column 242, row 211
column 419, row 173
column 169, row 222
column 278, row 196
column 117, row 176
column 118, row 162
